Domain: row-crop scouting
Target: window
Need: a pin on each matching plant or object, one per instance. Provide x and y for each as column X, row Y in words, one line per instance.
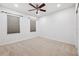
column 32, row 25
column 13, row 24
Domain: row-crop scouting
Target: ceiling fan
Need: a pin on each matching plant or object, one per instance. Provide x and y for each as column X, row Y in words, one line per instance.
column 37, row 7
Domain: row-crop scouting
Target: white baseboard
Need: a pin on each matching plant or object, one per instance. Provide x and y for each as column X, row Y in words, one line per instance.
column 14, row 41
column 56, row 39
column 21, row 39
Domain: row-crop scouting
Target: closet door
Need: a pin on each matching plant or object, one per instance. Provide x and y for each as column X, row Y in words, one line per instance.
column 0, row 24
column 3, row 26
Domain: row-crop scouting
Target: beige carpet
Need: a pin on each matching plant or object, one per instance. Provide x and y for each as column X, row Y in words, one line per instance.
column 38, row 47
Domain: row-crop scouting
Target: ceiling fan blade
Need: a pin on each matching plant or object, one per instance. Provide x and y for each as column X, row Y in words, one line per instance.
column 42, row 5
column 32, row 5
column 32, row 10
column 42, row 10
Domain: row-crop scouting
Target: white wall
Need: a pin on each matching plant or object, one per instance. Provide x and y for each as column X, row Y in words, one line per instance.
column 59, row 26
column 24, row 28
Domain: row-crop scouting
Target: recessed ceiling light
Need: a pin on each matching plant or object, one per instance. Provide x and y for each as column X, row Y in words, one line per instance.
column 58, row 5
column 15, row 5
